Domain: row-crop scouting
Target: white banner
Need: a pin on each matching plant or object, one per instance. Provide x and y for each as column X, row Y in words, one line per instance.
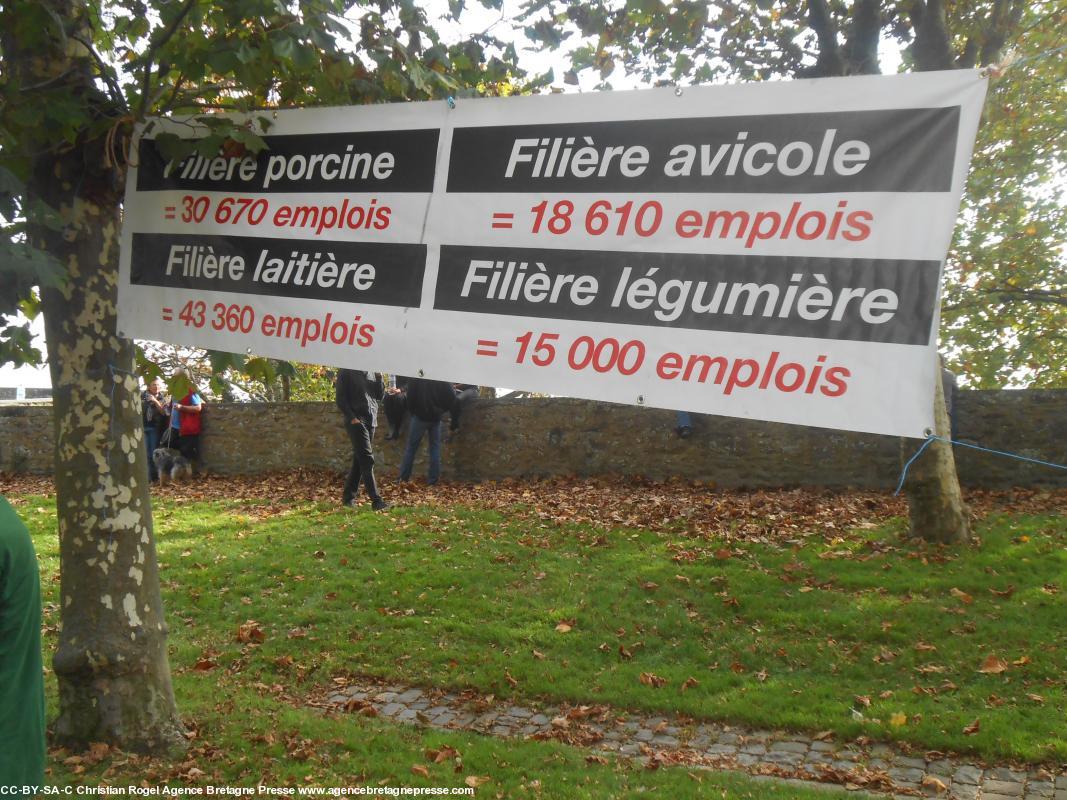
column 769, row 251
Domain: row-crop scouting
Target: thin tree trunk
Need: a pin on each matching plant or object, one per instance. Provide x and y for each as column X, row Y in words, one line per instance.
column 936, row 511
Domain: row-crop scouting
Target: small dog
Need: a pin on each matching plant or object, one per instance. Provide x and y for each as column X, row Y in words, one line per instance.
column 171, row 465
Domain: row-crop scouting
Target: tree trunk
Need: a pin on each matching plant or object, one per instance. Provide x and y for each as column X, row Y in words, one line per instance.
column 111, row 662
column 936, row 511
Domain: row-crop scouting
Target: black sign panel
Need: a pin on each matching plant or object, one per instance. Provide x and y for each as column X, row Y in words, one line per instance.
column 865, row 300
column 374, row 161
column 900, row 150
column 348, row 272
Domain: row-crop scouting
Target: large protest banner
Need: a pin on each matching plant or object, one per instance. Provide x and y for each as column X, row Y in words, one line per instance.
column 769, row 251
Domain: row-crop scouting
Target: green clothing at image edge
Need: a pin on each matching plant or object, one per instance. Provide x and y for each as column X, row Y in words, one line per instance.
column 22, row 743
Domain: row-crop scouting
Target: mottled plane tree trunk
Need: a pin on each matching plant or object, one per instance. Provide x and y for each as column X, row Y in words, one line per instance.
column 111, row 663
column 936, row 511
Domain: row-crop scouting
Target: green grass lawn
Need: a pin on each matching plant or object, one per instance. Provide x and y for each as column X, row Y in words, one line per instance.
column 862, row 634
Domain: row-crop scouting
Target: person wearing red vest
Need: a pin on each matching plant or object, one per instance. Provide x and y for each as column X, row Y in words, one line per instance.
column 190, row 408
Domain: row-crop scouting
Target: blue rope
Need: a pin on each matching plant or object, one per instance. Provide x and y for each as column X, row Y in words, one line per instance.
column 919, row 452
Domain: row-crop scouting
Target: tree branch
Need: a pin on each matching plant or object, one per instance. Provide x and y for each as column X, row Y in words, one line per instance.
column 861, row 45
column 932, row 47
column 158, row 42
column 107, row 73
column 969, row 57
column 1032, row 295
column 1001, row 23
column 829, row 63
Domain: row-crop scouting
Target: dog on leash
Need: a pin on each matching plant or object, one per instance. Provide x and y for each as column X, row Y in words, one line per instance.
column 171, row 465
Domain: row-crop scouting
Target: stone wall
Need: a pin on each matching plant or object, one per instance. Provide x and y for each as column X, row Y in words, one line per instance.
column 27, row 438
column 553, row 436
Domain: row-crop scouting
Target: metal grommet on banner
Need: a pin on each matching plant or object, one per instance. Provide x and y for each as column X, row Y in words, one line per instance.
column 248, row 351
column 927, row 433
column 640, row 399
column 451, row 101
column 421, row 373
column 677, row 91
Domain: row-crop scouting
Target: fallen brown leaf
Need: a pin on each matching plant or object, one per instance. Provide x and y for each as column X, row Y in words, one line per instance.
column 251, row 631
column 653, row 680
column 963, row 597
column 931, row 782
column 993, row 665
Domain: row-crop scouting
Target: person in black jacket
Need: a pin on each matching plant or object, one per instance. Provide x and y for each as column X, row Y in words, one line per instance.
column 428, row 401
column 357, row 394
column 395, row 405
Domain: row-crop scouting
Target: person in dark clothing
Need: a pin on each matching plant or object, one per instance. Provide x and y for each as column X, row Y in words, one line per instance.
column 357, row 394
column 464, row 393
column 22, row 725
column 396, row 406
column 154, row 418
column 428, row 401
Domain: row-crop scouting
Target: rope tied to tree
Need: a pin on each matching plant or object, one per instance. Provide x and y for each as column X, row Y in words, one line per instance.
column 930, row 439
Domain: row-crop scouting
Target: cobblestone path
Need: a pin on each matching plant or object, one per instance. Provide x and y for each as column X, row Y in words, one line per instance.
column 658, row 740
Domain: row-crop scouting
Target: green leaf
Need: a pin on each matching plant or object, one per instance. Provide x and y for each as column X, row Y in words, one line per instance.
column 29, row 266
column 246, row 54
column 283, row 46
column 208, row 147
column 16, row 345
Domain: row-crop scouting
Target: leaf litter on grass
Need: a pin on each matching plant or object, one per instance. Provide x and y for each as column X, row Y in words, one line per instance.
column 678, row 506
